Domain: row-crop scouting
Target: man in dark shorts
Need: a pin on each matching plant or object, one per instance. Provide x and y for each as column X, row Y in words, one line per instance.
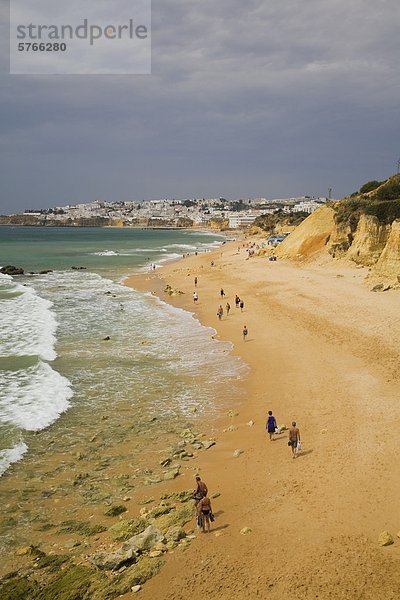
column 294, row 438
column 201, row 490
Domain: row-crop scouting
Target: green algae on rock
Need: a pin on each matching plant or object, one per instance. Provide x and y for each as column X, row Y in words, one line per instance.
column 82, row 528
column 126, row 528
column 115, row 510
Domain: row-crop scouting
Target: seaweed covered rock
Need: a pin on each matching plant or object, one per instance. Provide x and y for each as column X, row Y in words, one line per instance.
column 13, row 588
column 144, row 569
column 143, row 541
column 180, row 516
column 175, row 534
column 115, row 510
column 111, row 561
column 76, row 581
column 126, row 528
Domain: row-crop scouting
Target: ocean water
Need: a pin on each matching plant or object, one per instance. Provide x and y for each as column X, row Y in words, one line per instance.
column 54, row 358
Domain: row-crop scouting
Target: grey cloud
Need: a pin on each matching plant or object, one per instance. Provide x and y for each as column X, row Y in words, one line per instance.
column 257, row 98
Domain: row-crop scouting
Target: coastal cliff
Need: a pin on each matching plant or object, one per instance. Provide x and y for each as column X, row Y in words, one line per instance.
column 364, row 229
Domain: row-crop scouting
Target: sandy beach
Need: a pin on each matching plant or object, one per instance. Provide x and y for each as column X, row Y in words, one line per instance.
column 323, row 350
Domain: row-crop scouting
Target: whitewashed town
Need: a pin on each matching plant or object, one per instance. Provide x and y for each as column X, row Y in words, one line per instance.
column 188, row 212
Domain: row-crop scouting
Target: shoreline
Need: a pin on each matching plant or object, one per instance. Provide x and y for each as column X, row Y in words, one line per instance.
column 297, row 371
column 314, row 335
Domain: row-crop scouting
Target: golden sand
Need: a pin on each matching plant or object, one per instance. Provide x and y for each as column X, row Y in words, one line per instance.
column 323, row 350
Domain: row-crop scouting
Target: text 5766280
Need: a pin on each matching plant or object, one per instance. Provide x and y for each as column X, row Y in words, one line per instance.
column 42, row 47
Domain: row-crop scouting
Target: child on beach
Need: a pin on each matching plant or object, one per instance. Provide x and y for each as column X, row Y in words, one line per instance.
column 271, row 425
column 245, row 333
column 195, row 297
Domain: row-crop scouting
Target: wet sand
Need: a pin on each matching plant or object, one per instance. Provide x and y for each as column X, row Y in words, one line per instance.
column 323, row 350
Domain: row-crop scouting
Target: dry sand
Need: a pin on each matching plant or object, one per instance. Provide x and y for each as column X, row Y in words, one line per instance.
column 322, row 350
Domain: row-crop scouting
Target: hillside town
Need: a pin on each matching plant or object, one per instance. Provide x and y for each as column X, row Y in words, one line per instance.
column 179, row 213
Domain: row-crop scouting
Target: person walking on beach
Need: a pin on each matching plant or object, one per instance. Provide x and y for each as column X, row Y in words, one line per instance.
column 204, row 511
column 237, row 301
column 220, row 312
column 241, row 306
column 200, row 491
column 245, row 333
column 195, row 297
column 228, row 308
column 294, row 438
column 195, row 282
column 222, row 294
column 271, row 425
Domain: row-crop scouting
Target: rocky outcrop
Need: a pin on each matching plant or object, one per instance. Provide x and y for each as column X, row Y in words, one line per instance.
column 111, row 561
column 11, row 270
column 143, row 541
column 388, row 264
column 369, row 241
column 385, row 539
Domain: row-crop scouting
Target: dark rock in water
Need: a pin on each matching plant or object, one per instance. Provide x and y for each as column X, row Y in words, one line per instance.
column 11, row 270
column 107, row 338
column 78, row 268
column 45, row 272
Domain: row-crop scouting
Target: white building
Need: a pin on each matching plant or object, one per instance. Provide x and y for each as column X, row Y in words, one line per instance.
column 307, row 206
column 241, row 220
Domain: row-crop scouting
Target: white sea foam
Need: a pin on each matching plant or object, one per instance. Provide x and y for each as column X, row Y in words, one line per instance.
column 28, row 323
column 105, row 253
column 11, row 455
column 33, row 398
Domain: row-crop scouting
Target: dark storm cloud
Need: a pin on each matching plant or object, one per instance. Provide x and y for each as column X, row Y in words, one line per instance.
column 263, row 98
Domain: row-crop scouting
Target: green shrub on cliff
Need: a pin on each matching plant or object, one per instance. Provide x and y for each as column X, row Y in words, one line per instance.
column 385, row 212
column 369, row 186
column 390, row 190
column 383, row 203
column 269, row 221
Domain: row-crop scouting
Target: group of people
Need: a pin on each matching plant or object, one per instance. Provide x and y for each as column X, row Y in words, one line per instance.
column 239, row 303
column 294, row 440
column 220, row 311
column 202, row 504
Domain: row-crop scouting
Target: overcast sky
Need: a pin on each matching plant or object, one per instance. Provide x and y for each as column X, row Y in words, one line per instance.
column 259, row 98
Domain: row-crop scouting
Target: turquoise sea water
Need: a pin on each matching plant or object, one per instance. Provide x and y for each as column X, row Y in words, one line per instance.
column 54, row 359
